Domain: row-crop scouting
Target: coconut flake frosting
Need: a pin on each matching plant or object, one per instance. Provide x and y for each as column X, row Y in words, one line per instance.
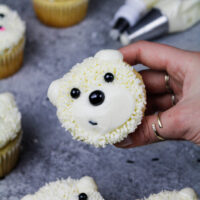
column 10, row 119
column 184, row 194
column 111, row 118
column 12, row 28
column 69, row 189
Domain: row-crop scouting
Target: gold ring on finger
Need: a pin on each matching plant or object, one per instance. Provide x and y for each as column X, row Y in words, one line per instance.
column 167, row 79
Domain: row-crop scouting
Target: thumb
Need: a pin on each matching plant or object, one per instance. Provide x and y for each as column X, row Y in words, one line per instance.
column 172, row 129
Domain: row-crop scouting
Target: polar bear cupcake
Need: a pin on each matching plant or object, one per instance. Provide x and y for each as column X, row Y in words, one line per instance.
column 69, row 189
column 12, row 39
column 10, row 133
column 184, row 194
column 101, row 100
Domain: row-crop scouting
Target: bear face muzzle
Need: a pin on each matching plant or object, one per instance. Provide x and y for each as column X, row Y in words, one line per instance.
column 102, row 109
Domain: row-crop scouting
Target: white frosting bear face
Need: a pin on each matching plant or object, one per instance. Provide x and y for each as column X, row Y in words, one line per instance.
column 12, row 28
column 70, row 189
column 184, row 194
column 10, row 119
column 100, row 100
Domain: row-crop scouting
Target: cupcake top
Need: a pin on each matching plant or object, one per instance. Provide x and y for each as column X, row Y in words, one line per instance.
column 184, row 194
column 10, row 119
column 12, row 28
column 101, row 100
column 69, row 189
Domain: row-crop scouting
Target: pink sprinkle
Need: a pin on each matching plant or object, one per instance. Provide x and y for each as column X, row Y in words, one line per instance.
column 2, row 28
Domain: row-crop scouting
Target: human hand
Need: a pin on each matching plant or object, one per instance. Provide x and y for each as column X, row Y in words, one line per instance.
column 180, row 121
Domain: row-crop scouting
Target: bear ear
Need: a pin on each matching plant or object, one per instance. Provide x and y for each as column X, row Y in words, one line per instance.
column 53, row 91
column 109, row 55
column 188, row 193
column 87, row 184
column 8, row 97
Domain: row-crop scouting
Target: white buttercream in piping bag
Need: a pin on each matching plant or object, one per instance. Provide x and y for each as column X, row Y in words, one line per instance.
column 13, row 28
column 182, row 14
column 133, row 10
column 10, row 119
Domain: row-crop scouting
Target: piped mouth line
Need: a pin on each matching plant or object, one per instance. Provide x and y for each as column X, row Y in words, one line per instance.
column 93, row 123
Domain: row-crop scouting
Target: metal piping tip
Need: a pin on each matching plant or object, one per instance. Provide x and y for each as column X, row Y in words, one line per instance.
column 114, row 34
column 120, row 26
column 153, row 25
column 124, row 39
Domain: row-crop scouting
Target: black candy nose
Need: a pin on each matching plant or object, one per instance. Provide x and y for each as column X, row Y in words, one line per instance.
column 96, row 98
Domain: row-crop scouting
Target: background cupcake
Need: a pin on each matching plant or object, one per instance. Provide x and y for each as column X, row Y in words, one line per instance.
column 60, row 13
column 73, row 189
column 10, row 133
column 12, row 39
column 184, row 194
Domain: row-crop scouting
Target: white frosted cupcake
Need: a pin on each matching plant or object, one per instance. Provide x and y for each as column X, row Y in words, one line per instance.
column 184, row 194
column 12, row 39
column 10, row 133
column 69, row 189
column 101, row 100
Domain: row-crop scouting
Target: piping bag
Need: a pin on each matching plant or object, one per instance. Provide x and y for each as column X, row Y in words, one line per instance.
column 168, row 16
column 129, row 14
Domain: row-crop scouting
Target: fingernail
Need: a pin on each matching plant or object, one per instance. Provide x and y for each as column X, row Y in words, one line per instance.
column 126, row 142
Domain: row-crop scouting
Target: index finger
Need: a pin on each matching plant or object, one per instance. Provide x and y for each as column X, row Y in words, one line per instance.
column 156, row 56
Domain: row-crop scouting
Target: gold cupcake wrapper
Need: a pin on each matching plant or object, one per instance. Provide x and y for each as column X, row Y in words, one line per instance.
column 9, row 155
column 11, row 59
column 60, row 13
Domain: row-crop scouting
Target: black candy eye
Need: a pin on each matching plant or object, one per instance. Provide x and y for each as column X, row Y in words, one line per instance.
column 75, row 93
column 109, row 77
column 82, row 196
column 2, row 15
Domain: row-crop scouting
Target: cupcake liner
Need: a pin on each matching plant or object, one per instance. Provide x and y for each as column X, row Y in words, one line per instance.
column 11, row 59
column 9, row 155
column 61, row 13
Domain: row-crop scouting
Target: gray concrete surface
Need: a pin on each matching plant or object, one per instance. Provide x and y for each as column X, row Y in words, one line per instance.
column 49, row 153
